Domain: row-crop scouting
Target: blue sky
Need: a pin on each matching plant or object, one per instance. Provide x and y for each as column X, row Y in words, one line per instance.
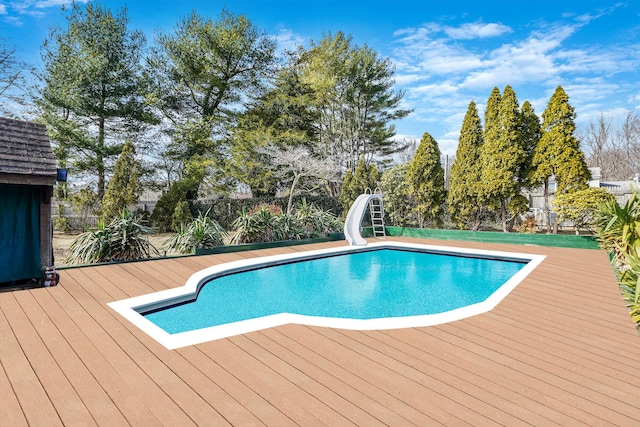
column 446, row 53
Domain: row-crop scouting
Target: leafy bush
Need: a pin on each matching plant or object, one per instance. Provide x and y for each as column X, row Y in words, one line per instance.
column 181, row 215
column 61, row 222
column 162, row 216
column 528, row 225
column 122, row 240
column 201, row 233
column 579, row 206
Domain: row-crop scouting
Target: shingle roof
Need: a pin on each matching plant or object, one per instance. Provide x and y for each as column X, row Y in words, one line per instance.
column 25, row 153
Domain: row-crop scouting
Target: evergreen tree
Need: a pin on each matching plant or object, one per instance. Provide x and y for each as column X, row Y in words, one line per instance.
column 502, row 154
column 465, row 201
column 558, row 152
column 365, row 177
column 398, row 202
column 124, row 188
column 426, row 178
column 203, row 72
column 93, row 94
column 282, row 118
column 531, row 132
column 356, row 101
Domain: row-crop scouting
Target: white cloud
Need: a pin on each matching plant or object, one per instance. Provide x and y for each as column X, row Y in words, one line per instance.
column 288, row 40
column 35, row 8
column 477, row 30
column 436, row 89
column 3, row 9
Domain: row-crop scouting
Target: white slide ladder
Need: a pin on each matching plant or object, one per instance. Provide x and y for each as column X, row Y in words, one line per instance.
column 356, row 213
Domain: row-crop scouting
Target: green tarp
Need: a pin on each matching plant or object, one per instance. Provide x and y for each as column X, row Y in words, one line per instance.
column 19, row 232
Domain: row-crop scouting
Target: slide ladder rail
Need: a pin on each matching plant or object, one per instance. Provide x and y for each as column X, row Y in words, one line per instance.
column 353, row 222
column 376, row 211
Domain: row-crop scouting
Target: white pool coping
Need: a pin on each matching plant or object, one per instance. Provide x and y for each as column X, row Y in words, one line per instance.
column 128, row 308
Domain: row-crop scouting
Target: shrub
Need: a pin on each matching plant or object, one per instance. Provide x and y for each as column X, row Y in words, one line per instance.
column 61, row 222
column 181, row 215
column 122, row 240
column 528, row 225
column 267, row 224
column 579, row 206
column 201, row 233
column 226, row 210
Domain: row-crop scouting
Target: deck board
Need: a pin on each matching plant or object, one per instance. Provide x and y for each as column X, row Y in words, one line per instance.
column 559, row 350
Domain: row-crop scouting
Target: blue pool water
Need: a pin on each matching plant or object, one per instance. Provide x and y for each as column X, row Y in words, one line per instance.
column 362, row 285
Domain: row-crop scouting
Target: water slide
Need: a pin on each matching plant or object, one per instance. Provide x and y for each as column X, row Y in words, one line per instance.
column 354, row 219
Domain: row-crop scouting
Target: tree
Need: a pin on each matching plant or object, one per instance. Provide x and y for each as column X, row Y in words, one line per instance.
column 558, row 152
column 426, row 179
column 284, row 118
column 465, row 202
column 365, row 177
column 502, row 154
column 396, row 195
column 629, row 137
column 203, row 73
column 124, row 187
column 579, row 206
column 600, row 144
column 296, row 164
column 531, row 133
column 616, row 151
column 93, row 94
column 162, row 216
column 355, row 99
column 12, row 72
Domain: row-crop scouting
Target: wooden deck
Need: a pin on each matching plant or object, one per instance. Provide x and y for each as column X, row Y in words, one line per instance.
column 559, row 350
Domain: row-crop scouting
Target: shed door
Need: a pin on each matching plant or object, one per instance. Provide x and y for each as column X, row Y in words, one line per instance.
column 19, row 232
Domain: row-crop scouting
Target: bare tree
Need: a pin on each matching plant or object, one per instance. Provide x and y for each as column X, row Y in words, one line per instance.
column 598, row 142
column 297, row 163
column 615, row 151
column 629, row 137
column 12, row 72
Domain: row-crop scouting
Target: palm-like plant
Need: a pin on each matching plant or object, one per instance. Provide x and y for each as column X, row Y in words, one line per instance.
column 316, row 222
column 259, row 226
column 629, row 281
column 201, row 233
column 618, row 227
column 267, row 225
column 122, row 240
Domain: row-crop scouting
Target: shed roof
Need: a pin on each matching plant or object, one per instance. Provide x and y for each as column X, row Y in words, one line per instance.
column 25, row 153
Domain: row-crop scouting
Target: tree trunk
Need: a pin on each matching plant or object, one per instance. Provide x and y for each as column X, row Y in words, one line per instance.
column 547, row 213
column 99, row 159
column 291, row 191
column 504, row 216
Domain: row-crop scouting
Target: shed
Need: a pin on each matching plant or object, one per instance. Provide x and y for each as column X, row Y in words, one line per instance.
column 27, row 176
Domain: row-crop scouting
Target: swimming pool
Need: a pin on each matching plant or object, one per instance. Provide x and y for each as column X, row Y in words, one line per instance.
column 380, row 286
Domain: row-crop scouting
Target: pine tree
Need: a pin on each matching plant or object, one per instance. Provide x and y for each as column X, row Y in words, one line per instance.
column 366, row 176
column 465, row 202
column 502, row 154
column 398, row 203
column 531, row 133
column 426, row 178
column 124, row 188
column 93, row 92
column 558, row 152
